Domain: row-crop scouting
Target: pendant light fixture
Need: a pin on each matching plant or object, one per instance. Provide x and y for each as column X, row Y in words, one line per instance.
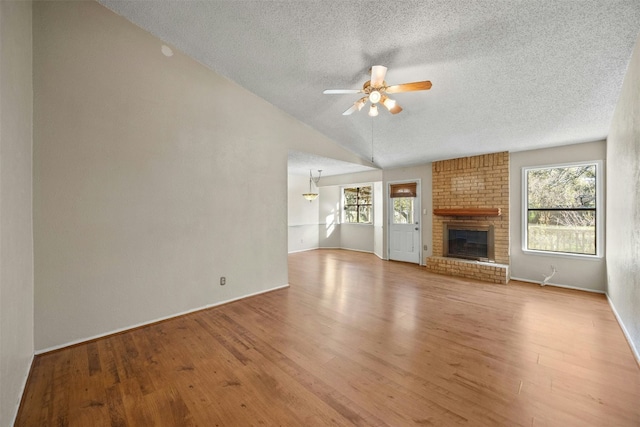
column 311, row 196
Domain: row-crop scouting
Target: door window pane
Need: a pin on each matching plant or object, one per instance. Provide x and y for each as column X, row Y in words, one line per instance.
column 403, row 210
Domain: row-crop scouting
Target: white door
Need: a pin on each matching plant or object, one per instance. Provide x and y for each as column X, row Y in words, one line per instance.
column 404, row 229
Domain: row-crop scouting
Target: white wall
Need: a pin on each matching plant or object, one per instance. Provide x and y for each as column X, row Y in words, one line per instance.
column 329, row 217
column 333, row 233
column 423, row 173
column 623, row 205
column 589, row 274
column 378, row 220
column 153, row 177
column 357, row 237
column 302, row 215
column 16, row 231
column 351, row 178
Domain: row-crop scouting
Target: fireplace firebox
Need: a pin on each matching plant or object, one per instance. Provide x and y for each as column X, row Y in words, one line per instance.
column 468, row 241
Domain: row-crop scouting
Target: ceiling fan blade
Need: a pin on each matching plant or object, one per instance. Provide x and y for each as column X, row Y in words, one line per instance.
column 391, row 105
column 357, row 106
column 377, row 75
column 396, row 109
column 341, row 91
column 409, row 87
column 350, row 110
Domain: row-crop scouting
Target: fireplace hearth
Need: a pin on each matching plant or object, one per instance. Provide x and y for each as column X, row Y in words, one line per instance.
column 468, row 241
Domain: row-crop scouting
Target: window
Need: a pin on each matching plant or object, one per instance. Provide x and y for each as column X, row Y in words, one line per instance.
column 357, row 204
column 562, row 209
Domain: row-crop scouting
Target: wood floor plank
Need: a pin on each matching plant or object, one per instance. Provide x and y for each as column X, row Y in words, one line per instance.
column 354, row 341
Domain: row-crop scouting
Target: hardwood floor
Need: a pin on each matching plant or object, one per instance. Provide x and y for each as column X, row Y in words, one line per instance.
column 354, row 341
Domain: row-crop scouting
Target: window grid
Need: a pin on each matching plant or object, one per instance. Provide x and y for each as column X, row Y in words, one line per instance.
column 358, row 204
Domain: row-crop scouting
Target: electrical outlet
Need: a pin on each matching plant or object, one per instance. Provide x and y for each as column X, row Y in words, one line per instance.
column 426, row 247
column 223, row 281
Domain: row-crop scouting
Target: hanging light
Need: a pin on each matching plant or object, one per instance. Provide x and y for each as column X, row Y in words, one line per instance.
column 311, row 196
column 373, row 111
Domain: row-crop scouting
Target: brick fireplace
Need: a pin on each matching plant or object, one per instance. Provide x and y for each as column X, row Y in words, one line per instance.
column 471, row 194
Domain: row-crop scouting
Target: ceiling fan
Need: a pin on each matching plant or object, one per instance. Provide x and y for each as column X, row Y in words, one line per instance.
column 376, row 91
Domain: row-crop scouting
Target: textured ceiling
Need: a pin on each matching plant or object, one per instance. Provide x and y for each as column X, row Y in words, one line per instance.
column 507, row 75
column 303, row 163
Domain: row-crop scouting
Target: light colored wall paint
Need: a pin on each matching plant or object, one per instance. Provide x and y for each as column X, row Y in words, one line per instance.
column 329, row 211
column 378, row 220
column 424, row 174
column 302, row 238
column 302, row 215
column 579, row 273
column 329, row 231
column 153, row 177
column 351, row 178
column 299, row 210
column 623, row 205
column 357, row 237
column 333, row 233
column 16, row 231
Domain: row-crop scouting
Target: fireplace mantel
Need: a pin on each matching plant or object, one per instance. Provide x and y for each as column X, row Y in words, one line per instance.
column 468, row 212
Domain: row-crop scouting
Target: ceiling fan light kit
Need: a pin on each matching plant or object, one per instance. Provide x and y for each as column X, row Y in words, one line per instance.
column 391, row 105
column 374, row 97
column 376, row 91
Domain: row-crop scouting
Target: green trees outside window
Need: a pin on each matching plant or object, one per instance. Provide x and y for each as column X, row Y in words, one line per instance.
column 358, row 205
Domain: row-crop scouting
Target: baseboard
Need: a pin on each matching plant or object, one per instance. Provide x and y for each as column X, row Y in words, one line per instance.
column 357, row 250
column 303, row 250
column 346, row 249
column 22, row 390
column 151, row 322
column 556, row 285
column 634, row 349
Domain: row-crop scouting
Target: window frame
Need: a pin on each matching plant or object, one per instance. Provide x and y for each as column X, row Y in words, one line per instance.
column 344, row 204
column 599, row 210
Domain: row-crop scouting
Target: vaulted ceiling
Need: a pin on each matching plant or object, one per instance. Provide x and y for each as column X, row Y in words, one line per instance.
column 507, row 75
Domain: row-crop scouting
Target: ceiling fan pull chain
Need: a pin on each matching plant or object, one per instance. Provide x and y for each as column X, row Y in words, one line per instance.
column 371, row 139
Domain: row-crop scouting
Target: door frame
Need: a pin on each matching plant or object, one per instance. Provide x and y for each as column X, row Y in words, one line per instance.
column 417, row 214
